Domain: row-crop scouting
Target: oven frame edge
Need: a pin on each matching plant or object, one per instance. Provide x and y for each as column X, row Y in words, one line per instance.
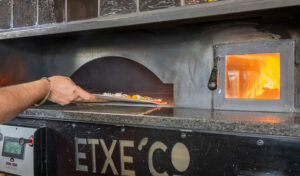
column 286, row 48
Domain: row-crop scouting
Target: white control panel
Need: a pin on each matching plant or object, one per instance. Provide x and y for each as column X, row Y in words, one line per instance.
column 16, row 150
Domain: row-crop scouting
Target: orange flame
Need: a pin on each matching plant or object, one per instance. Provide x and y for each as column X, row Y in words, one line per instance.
column 253, row 76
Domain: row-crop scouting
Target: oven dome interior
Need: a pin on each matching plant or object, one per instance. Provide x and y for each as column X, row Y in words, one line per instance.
column 121, row 75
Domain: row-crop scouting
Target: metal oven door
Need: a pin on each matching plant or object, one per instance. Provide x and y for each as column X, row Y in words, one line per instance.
column 255, row 76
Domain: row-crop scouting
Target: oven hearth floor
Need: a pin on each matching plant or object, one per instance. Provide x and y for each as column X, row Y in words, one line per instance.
column 268, row 123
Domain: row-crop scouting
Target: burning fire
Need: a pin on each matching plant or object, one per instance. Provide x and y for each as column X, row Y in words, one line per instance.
column 253, row 76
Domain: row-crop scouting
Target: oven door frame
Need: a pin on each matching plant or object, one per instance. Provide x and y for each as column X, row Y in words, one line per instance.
column 286, row 48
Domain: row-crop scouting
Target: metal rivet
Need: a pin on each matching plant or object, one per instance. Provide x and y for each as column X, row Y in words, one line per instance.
column 260, row 142
column 212, row 84
column 183, row 135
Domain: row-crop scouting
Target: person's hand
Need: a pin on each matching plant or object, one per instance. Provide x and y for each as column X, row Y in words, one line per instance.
column 64, row 90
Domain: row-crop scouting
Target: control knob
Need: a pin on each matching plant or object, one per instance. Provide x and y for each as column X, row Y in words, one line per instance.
column 23, row 141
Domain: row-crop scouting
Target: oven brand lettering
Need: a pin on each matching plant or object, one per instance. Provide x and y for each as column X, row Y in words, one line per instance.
column 126, row 159
column 93, row 142
column 108, row 154
column 80, row 155
column 156, row 146
column 180, row 156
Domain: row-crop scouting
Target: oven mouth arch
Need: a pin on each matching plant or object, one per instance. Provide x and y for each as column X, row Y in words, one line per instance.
column 160, row 72
column 116, row 74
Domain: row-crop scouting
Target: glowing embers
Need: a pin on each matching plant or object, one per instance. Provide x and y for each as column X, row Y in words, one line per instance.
column 253, row 76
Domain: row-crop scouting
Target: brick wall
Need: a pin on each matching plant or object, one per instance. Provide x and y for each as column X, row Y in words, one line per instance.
column 24, row 13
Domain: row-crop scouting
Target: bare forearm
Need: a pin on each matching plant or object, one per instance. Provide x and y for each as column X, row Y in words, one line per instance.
column 15, row 99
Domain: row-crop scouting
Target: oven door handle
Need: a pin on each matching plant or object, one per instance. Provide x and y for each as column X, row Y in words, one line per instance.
column 213, row 79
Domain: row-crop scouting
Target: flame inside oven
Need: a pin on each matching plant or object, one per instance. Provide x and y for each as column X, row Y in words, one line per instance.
column 253, row 76
column 121, row 75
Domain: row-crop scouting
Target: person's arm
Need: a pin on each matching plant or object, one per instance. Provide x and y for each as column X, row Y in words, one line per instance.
column 15, row 99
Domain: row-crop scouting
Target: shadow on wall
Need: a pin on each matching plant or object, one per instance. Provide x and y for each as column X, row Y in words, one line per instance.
column 20, row 61
column 13, row 71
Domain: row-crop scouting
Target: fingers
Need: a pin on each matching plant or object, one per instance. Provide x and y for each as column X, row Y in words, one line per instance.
column 84, row 95
column 67, row 100
column 63, row 103
column 78, row 99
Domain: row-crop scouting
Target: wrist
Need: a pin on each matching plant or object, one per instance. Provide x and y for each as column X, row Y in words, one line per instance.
column 46, row 81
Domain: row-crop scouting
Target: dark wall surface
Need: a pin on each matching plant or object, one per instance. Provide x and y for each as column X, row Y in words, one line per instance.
column 20, row 61
column 82, row 9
